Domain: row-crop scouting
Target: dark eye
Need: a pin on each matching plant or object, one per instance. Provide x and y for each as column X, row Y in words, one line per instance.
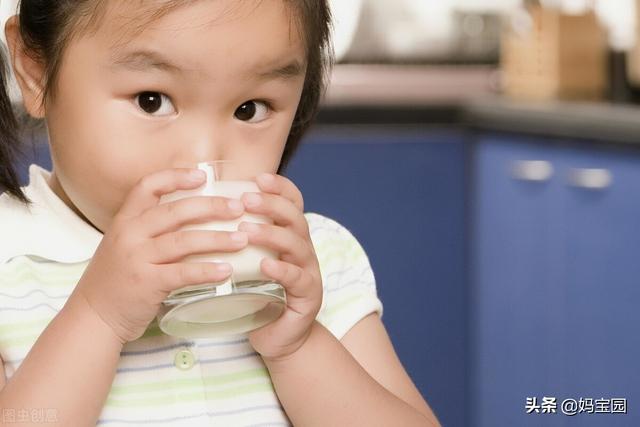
column 252, row 111
column 153, row 102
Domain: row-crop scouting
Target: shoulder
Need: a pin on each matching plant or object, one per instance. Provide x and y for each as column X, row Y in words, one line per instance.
column 20, row 224
column 329, row 234
column 10, row 205
column 14, row 226
column 319, row 223
column 46, row 228
column 336, row 246
column 348, row 281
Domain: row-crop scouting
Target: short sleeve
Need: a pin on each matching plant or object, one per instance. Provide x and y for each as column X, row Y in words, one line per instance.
column 349, row 286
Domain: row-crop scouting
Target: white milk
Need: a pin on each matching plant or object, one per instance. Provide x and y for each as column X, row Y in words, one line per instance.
column 246, row 262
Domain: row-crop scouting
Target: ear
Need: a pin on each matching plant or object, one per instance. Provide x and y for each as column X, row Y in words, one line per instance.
column 29, row 73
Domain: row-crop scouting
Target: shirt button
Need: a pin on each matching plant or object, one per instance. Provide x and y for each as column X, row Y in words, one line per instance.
column 184, row 360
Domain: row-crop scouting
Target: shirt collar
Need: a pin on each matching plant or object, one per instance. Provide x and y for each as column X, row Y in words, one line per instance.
column 48, row 229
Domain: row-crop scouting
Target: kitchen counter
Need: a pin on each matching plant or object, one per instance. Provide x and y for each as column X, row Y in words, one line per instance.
column 465, row 96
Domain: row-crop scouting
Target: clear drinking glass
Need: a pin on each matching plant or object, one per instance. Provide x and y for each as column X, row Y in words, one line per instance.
column 248, row 299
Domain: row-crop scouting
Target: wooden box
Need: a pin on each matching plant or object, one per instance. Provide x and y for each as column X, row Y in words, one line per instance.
column 558, row 56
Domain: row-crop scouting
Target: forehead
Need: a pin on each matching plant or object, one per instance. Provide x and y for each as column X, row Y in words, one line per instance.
column 195, row 32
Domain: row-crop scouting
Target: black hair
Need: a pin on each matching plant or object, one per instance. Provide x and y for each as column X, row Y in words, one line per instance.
column 46, row 27
column 9, row 136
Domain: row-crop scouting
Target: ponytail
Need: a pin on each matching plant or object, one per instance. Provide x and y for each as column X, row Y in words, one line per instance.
column 9, row 136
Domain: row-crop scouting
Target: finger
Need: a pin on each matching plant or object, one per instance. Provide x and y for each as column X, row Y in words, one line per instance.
column 296, row 281
column 147, row 192
column 178, row 275
column 292, row 247
column 171, row 216
column 278, row 184
column 172, row 247
column 280, row 209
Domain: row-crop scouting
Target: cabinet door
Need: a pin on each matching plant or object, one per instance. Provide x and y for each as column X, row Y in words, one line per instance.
column 601, row 242
column 402, row 194
column 554, row 289
column 514, row 304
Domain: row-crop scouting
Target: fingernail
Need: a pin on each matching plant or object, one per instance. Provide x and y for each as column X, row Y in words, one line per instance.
column 239, row 237
column 235, row 205
column 252, row 199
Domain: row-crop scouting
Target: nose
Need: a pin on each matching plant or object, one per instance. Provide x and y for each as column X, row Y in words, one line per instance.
column 203, row 140
column 205, row 149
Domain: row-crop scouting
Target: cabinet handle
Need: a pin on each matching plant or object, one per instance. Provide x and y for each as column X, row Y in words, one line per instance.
column 591, row 179
column 532, row 170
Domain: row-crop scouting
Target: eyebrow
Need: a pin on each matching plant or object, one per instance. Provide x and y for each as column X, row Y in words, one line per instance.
column 145, row 60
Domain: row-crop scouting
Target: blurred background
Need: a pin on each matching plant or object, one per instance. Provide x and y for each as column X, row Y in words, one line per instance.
column 486, row 153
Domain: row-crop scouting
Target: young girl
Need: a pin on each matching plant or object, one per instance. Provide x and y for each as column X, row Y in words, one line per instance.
column 134, row 93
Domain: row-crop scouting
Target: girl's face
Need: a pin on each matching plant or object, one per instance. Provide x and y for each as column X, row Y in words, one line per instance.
column 212, row 80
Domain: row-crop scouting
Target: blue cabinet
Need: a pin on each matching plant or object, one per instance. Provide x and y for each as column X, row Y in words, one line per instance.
column 554, row 280
column 512, row 266
column 601, row 275
column 402, row 194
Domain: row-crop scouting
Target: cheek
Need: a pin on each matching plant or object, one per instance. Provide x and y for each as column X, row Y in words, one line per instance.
column 285, row 132
column 265, row 147
column 97, row 146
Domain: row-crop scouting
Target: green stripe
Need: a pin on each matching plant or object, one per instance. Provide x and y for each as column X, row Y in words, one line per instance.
column 38, row 324
column 153, row 330
column 49, row 269
column 229, row 393
column 20, row 341
column 25, row 261
column 346, row 254
column 48, row 277
column 218, row 380
column 330, row 320
column 339, row 306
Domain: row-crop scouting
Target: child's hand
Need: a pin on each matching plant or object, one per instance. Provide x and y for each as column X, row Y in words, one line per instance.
column 136, row 264
column 297, row 270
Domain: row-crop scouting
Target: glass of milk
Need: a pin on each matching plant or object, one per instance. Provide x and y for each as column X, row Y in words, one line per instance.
column 248, row 299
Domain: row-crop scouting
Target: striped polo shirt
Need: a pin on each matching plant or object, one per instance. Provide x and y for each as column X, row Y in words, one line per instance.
column 160, row 380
